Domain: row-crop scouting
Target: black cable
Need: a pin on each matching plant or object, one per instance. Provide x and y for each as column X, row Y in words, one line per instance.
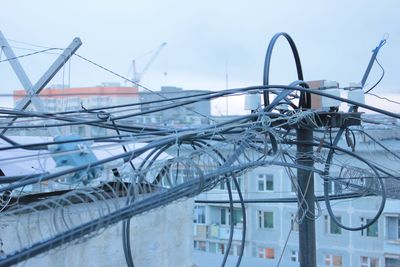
column 127, row 223
column 44, row 145
column 123, row 146
column 231, row 209
column 132, row 104
column 126, row 156
column 34, row 249
column 378, row 142
column 384, row 98
column 283, row 200
column 8, row 140
column 326, row 189
column 282, row 95
column 239, row 191
column 126, row 241
column 187, row 189
column 305, row 102
column 380, row 79
column 129, row 80
column 305, row 99
column 332, row 147
column 304, row 90
column 231, row 225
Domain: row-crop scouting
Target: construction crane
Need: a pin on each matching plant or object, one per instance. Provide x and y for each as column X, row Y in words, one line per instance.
column 137, row 76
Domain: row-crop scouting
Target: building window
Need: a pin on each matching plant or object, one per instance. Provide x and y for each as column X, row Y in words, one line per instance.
column 265, row 253
column 221, row 248
column 199, row 214
column 231, row 250
column 240, row 182
column 370, row 231
column 223, row 214
column 369, row 262
column 225, row 217
column 265, row 219
column 238, row 250
column 212, row 247
column 393, row 227
column 392, row 261
column 331, row 227
column 294, row 256
column 237, row 217
column 200, row 245
column 293, row 222
column 333, row 260
column 222, row 184
column 265, row 182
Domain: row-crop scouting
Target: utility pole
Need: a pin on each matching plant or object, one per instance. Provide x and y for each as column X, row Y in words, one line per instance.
column 306, row 198
column 305, row 178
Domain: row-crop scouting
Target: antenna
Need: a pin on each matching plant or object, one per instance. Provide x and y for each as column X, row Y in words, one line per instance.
column 226, row 85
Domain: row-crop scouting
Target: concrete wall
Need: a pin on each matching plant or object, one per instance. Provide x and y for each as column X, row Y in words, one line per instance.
column 162, row 237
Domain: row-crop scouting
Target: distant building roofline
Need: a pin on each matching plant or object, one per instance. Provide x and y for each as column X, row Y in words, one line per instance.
column 80, row 91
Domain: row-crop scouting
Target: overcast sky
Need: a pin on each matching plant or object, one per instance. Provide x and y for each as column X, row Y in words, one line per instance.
column 206, row 40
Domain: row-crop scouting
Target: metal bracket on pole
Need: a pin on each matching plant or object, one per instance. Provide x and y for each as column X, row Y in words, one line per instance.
column 34, row 90
column 372, row 60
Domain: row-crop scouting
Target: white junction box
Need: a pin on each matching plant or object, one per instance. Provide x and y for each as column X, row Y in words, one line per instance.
column 252, row 101
column 331, row 89
column 356, row 93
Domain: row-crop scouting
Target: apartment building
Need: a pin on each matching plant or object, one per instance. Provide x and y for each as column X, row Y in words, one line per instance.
column 59, row 99
column 272, row 229
column 196, row 113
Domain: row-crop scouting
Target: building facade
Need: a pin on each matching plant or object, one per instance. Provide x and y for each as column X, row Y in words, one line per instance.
column 57, row 99
column 272, row 229
column 192, row 113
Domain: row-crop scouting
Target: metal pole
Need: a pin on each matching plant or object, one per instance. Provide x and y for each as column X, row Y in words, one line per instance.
column 306, row 199
column 372, row 60
column 32, row 91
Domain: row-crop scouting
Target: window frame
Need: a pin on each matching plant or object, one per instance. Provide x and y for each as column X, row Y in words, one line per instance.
column 330, row 260
column 294, row 225
column 366, row 232
column 225, row 213
column 197, row 215
column 294, row 256
column 395, row 230
column 262, row 253
column 369, row 261
column 261, row 220
column 265, row 179
column 330, row 225
column 222, row 184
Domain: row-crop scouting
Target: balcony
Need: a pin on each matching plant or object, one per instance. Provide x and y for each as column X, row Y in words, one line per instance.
column 200, row 231
column 392, row 246
column 222, row 232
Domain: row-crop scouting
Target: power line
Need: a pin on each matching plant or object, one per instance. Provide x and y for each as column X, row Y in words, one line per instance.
column 206, row 155
column 384, row 98
column 29, row 54
column 380, row 79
